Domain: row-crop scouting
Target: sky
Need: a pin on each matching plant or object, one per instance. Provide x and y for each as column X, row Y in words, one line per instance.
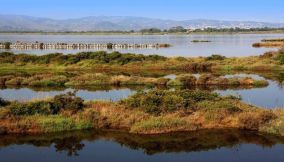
column 255, row 10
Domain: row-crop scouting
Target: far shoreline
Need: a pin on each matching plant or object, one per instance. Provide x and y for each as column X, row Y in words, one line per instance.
column 139, row 33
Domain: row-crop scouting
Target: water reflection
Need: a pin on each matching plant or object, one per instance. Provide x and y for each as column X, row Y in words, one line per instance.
column 270, row 97
column 86, row 93
column 113, row 146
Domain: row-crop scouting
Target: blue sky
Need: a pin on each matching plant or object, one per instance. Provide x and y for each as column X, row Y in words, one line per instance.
column 256, row 10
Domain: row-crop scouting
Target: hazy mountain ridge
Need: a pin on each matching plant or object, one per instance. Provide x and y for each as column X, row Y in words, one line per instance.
column 107, row 23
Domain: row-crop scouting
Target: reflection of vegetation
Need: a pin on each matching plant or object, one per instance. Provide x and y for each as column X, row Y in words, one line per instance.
column 71, row 145
column 204, row 140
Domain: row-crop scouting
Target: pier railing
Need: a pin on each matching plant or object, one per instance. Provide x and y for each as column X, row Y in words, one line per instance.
column 72, row 46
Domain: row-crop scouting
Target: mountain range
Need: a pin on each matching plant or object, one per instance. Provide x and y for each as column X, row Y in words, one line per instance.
column 112, row 23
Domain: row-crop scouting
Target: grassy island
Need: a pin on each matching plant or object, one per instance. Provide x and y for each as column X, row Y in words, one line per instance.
column 272, row 61
column 152, row 112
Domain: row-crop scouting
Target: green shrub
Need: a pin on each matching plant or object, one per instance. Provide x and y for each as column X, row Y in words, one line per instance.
column 68, row 101
column 60, row 102
column 42, row 107
column 3, row 102
column 215, row 57
column 163, row 101
column 172, row 102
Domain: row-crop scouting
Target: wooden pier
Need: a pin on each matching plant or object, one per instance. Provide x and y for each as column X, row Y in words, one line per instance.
column 75, row 46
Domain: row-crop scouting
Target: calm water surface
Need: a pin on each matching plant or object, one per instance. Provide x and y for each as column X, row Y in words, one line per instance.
column 269, row 97
column 202, row 146
column 27, row 94
column 227, row 45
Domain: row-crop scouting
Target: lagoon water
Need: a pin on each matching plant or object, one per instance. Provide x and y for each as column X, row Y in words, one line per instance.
column 27, row 94
column 226, row 44
column 269, row 97
column 85, row 146
column 202, row 146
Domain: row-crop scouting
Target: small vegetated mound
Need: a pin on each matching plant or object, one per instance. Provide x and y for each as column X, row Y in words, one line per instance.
column 45, row 80
column 209, row 79
column 117, row 80
column 147, row 112
column 201, row 41
column 270, row 43
column 215, row 57
column 164, row 101
column 49, row 107
column 196, row 67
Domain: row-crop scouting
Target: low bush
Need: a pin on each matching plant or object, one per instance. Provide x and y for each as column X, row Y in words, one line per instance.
column 215, row 57
column 19, row 109
column 163, row 101
column 3, row 102
column 68, row 101
column 60, row 102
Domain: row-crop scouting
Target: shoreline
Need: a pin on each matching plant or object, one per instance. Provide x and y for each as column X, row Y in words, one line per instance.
column 138, row 34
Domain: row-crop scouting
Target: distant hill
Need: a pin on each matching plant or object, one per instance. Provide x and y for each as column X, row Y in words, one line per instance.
column 122, row 23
